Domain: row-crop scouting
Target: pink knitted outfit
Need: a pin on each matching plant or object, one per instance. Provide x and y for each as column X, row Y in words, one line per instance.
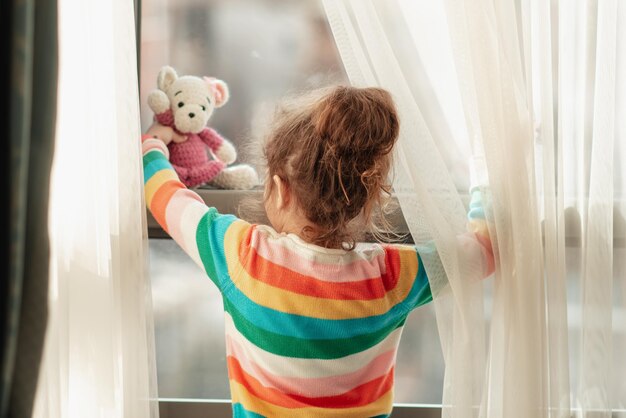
column 189, row 158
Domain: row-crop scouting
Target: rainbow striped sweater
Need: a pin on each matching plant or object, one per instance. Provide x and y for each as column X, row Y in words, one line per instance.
column 310, row 331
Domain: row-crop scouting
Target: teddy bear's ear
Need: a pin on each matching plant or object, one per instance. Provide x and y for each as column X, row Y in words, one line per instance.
column 219, row 89
column 166, row 77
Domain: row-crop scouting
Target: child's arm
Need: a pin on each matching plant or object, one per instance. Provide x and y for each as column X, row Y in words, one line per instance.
column 477, row 225
column 166, row 134
column 201, row 231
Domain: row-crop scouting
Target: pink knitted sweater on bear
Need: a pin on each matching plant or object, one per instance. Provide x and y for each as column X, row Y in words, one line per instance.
column 189, row 158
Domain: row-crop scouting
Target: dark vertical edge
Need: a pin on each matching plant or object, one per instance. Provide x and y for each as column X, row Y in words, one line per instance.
column 6, row 39
column 137, row 4
column 34, row 307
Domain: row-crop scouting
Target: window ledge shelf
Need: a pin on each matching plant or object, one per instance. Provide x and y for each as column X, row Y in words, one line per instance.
column 227, row 201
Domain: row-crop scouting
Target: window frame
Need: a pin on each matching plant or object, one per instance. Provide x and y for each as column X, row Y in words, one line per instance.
column 227, row 201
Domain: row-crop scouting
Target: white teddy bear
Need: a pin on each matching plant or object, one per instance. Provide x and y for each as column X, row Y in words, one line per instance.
column 182, row 108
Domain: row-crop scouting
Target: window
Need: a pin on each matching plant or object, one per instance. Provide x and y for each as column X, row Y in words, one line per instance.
column 264, row 50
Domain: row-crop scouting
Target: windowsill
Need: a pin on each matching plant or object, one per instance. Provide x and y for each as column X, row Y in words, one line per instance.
column 227, row 201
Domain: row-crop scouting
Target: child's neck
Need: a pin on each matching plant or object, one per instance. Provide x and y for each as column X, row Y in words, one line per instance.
column 299, row 227
column 296, row 228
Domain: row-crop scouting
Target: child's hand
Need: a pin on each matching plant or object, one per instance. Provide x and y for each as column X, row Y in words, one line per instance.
column 164, row 133
column 479, row 204
column 478, row 226
column 149, row 142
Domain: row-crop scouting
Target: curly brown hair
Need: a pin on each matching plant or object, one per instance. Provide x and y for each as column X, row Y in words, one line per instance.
column 333, row 148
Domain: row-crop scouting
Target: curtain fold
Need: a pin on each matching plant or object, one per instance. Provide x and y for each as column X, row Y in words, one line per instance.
column 517, row 368
column 595, row 378
column 536, row 90
column 99, row 353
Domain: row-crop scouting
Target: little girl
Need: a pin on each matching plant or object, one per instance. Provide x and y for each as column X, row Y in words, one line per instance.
column 313, row 320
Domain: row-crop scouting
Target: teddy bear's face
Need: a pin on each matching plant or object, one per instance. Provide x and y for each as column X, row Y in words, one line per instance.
column 191, row 100
column 192, row 103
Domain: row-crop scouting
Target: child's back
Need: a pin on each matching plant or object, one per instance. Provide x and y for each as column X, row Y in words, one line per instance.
column 313, row 331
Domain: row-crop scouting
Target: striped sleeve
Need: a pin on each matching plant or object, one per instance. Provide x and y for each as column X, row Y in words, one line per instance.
column 196, row 227
column 420, row 293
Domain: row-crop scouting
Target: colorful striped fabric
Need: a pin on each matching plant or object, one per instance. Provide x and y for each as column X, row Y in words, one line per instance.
column 310, row 332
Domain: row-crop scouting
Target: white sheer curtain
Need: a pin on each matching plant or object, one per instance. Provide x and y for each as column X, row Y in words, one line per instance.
column 536, row 89
column 99, row 354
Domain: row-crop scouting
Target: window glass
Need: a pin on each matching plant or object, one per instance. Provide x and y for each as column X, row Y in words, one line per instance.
column 189, row 326
column 263, row 49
